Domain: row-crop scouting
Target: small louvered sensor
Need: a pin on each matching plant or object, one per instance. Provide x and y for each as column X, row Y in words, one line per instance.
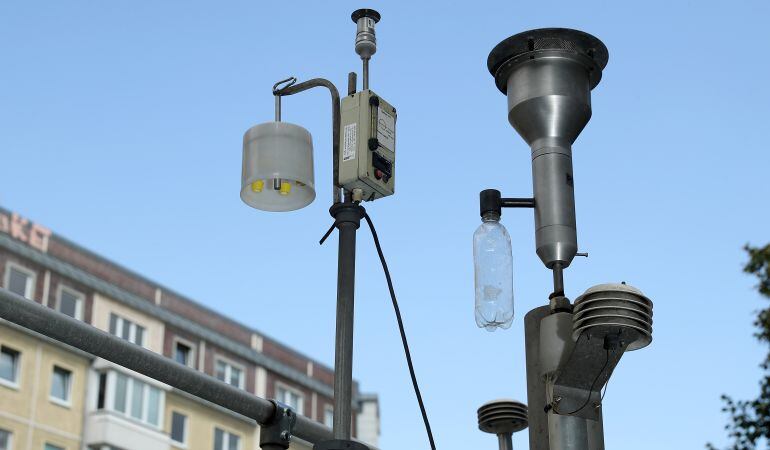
column 503, row 418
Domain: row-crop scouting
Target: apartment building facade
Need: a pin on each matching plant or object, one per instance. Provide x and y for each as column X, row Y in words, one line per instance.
column 53, row 397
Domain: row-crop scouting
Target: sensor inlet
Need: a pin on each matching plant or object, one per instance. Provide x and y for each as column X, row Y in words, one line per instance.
column 547, row 75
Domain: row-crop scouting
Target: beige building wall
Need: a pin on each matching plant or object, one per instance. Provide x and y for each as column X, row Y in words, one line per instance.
column 27, row 409
column 100, row 318
column 202, row 418
column 201, row 421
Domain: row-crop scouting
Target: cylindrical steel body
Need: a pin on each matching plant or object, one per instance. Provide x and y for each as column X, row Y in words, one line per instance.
column 366, row 40
column 348, row 218
column 555, row 226
column 549, row 103
column 574, row 433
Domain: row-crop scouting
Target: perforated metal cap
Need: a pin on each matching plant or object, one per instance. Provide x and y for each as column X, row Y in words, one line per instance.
column 543, row 42
column 502, row 416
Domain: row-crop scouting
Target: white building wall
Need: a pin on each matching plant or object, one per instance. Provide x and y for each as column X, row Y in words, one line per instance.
column 368, row 423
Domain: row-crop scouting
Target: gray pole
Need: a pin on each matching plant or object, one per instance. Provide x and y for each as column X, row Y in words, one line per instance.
column 536, row 389
column 505, row 441
column 347, row 217
column 62, row 328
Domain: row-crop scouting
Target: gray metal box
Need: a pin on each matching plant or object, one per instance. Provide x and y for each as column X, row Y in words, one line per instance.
column 367, row 158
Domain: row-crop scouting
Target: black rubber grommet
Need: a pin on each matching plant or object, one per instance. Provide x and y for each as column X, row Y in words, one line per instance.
column 370, row 13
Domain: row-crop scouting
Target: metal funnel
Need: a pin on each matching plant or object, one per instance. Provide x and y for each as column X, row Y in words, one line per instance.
column 548, row 75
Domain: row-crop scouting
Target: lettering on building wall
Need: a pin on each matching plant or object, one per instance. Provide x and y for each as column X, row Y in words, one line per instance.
column 33, row 234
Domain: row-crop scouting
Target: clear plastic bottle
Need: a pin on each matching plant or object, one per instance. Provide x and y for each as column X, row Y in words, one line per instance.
column 493, row 267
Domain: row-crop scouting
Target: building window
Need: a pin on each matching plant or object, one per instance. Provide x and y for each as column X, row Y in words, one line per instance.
column 126, row 329
column 226, row 441
column 5, row 440
column 9, row 366
column 132, row 398
column 328, row 416
column 20, row 280
column 291, row 397
column 61, row 384
column 52, row 447
column 184, row 353
column 229, row 373
column 70, row 302
column 178, row 427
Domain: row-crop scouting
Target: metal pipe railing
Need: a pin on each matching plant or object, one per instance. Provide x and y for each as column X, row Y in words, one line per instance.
column 62, row 328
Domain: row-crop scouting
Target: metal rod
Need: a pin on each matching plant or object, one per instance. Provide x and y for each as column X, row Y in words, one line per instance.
column 558, row 278
column 277, row 108
column 352, row 78
column 320, row 82
column 365, row 73
column 505, row 441
column 348, row 219
column 62, row 328
column 517, row 202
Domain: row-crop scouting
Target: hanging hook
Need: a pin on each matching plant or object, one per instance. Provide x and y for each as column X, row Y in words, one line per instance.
column 289, row 81
column 277, row 92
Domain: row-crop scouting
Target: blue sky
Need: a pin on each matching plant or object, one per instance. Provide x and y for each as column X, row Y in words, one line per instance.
column 121, row 126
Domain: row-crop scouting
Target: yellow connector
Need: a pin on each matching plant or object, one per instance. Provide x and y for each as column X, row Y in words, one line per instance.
column 258, row 185
column 285, row 187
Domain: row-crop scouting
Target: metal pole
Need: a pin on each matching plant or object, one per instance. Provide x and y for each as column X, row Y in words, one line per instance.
column 505, row 441
column 536, row 388
column 558, row 278
column 365, row 74
column 347, row 217
column 62, row 328
column 277, row 108
column 352, row 83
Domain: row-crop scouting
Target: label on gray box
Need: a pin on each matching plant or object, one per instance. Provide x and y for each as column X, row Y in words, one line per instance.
column 386, row 129
column 349, row 142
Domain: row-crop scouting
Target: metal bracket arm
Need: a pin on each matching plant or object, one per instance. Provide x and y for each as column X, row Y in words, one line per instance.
column 490, row 200
column 578, row 383
column 321, row 82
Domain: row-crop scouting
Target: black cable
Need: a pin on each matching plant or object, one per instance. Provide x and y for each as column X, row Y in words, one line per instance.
column 401, row 330
column 327, row 234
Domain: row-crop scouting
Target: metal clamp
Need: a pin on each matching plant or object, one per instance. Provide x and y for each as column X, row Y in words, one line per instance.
column 277, row 433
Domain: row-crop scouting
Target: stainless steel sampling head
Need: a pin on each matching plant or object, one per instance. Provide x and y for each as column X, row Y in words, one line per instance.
column 547, row 75
column 366, row 40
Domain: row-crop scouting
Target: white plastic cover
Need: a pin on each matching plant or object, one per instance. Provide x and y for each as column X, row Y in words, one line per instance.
column 277, row 150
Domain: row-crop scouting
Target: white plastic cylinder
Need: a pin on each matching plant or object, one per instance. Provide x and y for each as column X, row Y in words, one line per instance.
column 277, row 167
